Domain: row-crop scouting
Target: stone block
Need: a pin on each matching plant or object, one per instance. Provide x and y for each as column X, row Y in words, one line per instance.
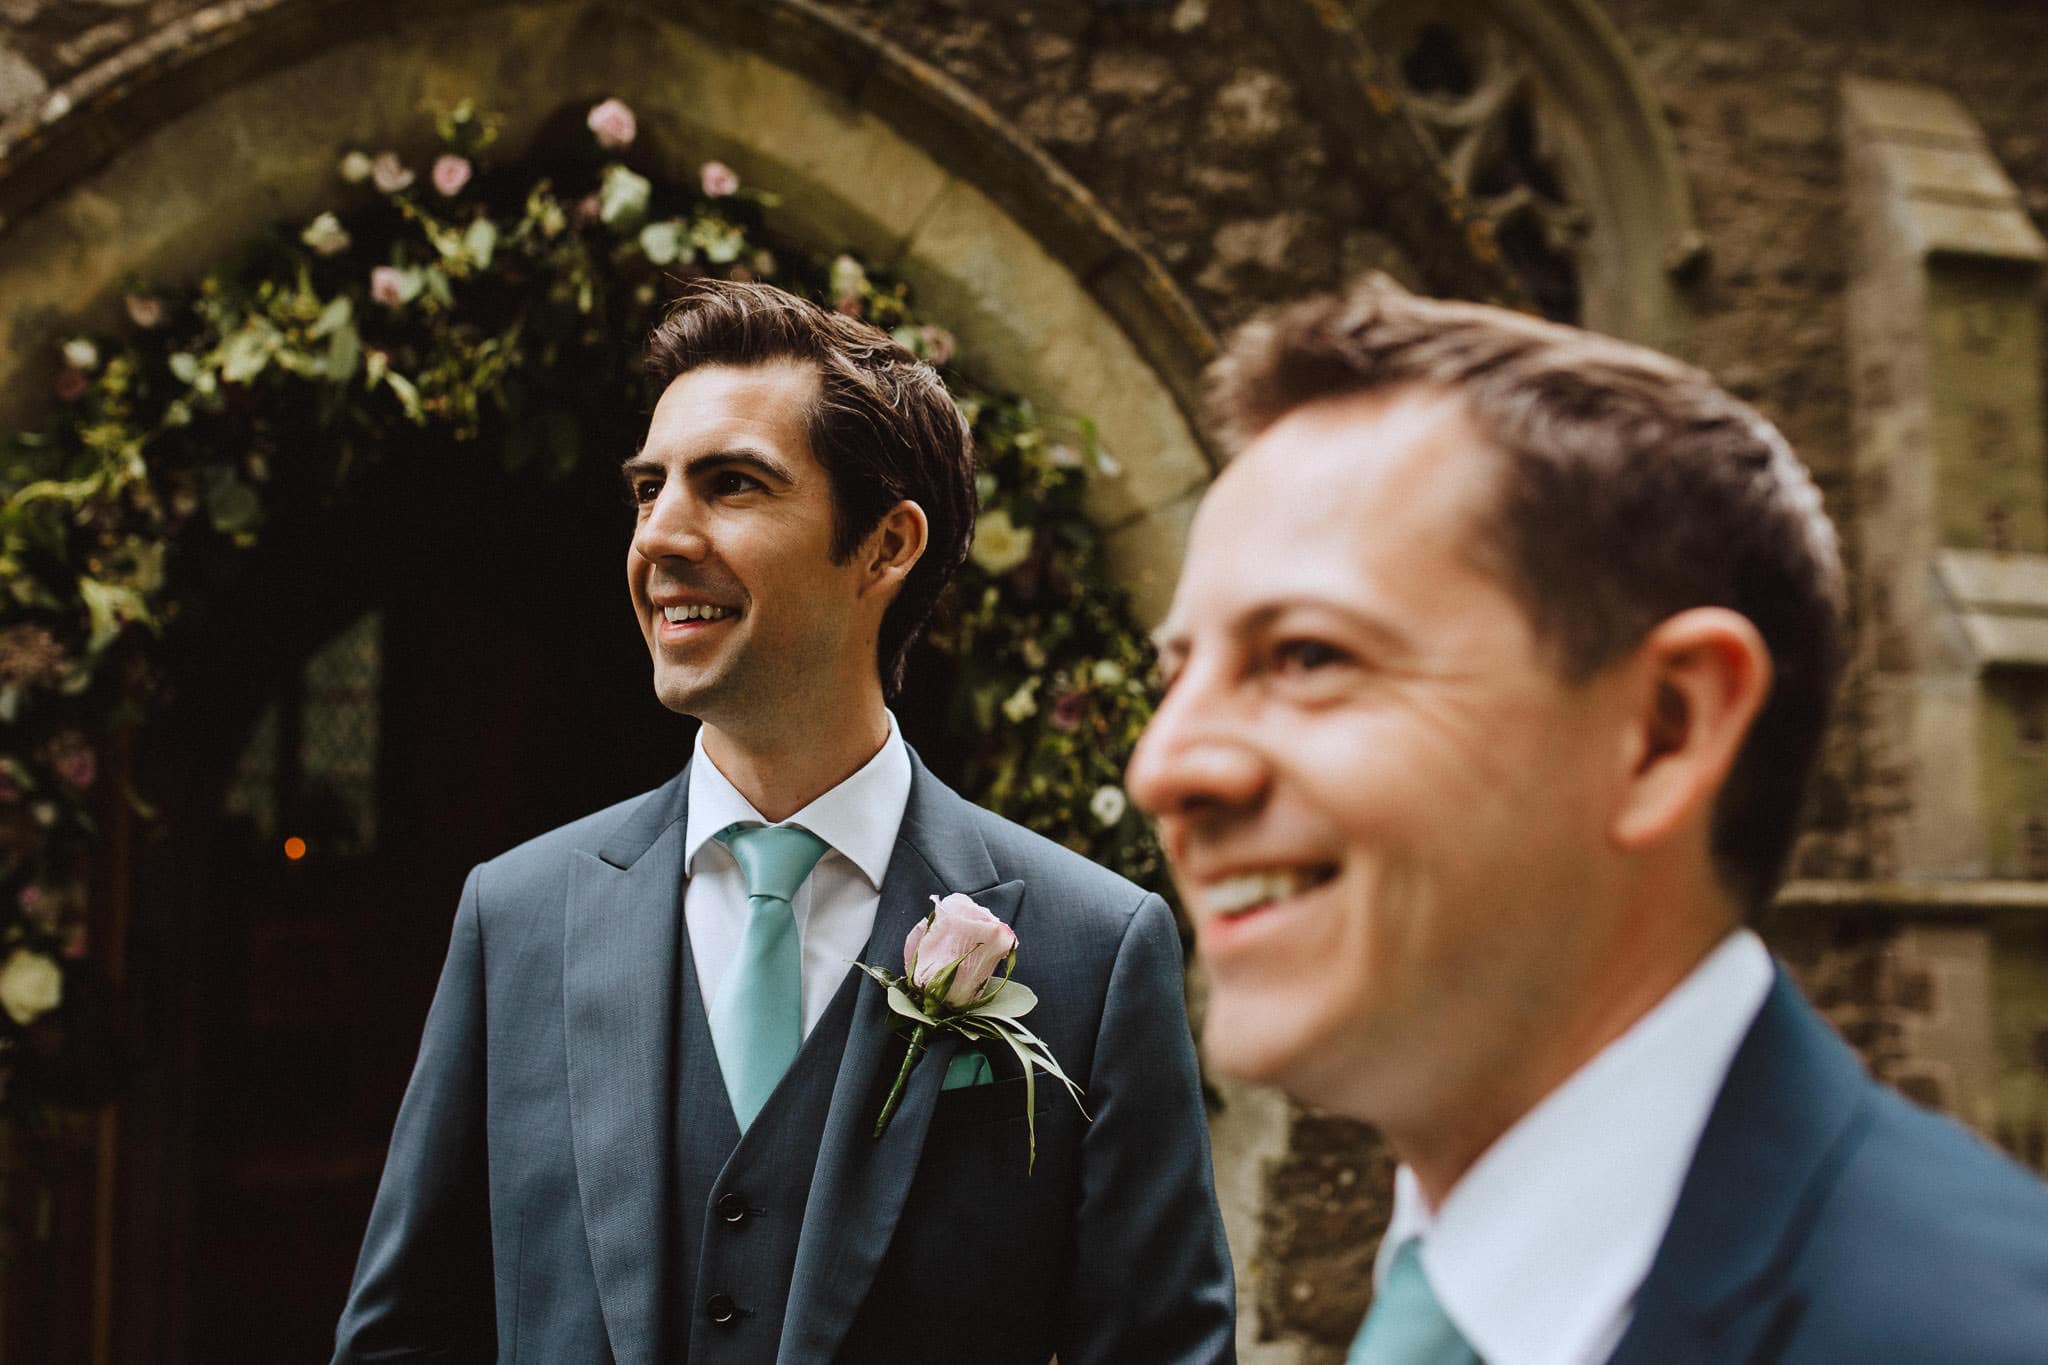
column 1904, row 108
column 1968, row 172
column 2001, row 233
column 20, row 83
column 1134, row 74
column 1146, row 556
column 974, row 265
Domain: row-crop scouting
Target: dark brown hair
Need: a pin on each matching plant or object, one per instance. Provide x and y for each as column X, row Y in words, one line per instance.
column 1633, row 488
column 884, row 428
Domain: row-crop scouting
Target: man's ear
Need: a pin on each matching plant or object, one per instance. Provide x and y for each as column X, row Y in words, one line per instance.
column 893, row 548
column 1700, row 679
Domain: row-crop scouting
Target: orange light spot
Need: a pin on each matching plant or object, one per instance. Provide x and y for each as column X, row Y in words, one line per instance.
column 295, row 848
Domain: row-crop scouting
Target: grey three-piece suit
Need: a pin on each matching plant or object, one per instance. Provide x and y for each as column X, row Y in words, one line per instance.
column 567, row 1183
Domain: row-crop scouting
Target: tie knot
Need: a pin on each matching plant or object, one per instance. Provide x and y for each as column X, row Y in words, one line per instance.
column 775, row 858
column 1407, row 1326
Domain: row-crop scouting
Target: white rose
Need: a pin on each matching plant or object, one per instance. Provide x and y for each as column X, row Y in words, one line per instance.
column 1022, row 704
column 1109, row 804
column 1000, row 545
column 31, row 985
column 326, row 235
column 81, row 354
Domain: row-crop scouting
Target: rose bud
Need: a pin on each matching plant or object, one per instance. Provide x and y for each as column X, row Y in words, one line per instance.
column 961, row 935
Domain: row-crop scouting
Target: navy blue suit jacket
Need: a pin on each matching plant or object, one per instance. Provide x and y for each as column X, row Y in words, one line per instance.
column 525, row 1205
column 1827, row 1220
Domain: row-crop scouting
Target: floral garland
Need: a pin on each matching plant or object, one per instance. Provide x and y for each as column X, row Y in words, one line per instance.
column 443, row 318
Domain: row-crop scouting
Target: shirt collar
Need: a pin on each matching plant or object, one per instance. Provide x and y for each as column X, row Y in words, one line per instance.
column 1537, row 1253
column 858, row 818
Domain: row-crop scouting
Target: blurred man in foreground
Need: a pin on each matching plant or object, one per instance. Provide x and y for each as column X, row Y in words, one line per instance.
column 1495, row 673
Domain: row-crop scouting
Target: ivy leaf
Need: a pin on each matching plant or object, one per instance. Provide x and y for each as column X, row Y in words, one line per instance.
column 109, row 608
column 336, row 315
column 622, row 198
column 231, row 505
column 719, row 240
column 481, row 242
column 408, row 394
column 247, row 352
column 662, row 242
column 344, row 348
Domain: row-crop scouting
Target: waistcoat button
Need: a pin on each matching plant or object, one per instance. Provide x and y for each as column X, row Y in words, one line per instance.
column 731, row 1207
column 722, row 1309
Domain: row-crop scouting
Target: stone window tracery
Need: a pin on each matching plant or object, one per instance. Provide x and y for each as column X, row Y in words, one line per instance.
column 1478, row 97
column 1548, row 132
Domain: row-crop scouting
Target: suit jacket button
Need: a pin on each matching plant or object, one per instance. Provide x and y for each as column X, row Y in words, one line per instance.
column 722, row 1309
column 732, row 1208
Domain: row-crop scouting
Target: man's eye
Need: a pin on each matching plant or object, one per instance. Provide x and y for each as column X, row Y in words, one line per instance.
column 1301, row 656
column 729, row 482
column 640, row 492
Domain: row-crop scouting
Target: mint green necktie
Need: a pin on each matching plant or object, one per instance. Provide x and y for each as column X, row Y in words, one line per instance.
column 758, row 1023
column 1406, row 1325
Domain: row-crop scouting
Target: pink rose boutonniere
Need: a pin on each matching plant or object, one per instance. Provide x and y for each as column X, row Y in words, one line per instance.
column 950, row 982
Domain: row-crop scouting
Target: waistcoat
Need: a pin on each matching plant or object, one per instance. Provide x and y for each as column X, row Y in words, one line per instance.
column 740, row 1200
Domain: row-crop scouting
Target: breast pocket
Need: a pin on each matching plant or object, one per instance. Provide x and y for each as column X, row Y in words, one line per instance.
column 978, row 1104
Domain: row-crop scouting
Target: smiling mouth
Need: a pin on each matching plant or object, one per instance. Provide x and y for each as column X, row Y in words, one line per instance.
column 1232, row 897
column 696, row 612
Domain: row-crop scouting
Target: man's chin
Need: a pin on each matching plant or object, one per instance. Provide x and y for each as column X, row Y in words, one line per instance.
column 685, row 695
column 1257, row 1042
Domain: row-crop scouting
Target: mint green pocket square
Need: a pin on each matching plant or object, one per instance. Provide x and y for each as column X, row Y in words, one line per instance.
column 968, row 1067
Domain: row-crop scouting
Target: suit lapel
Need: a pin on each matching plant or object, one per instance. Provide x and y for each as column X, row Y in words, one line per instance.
column 861, row 1181
column 1787, row 1117
column 619, row 955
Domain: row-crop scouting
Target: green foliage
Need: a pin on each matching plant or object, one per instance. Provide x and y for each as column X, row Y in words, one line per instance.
column 471, row 312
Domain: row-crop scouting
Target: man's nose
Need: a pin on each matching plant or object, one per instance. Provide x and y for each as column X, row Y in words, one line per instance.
column 671, row 529
column 1197, row 758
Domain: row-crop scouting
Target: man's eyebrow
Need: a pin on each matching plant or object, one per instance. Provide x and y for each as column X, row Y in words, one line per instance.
column 1172, row 639
column 758, row 461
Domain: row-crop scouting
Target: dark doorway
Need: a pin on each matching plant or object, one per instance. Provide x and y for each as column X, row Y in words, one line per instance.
column 375, row 702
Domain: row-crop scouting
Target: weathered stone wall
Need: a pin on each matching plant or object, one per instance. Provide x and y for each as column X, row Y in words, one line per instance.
column 1190, row 122
column 1754, row 97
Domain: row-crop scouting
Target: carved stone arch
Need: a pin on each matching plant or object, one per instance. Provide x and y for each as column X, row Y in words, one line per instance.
column 1556, row 77
column 178, row 149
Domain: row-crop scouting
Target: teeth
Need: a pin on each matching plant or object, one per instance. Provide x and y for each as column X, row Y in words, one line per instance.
column 696, row 612
column 1236, row 894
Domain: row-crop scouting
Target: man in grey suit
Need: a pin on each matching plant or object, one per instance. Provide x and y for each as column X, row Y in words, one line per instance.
column 1471, row 791
column 641, row 1126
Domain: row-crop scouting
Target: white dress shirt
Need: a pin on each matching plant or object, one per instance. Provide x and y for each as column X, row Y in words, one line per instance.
column 1537, row 1253
column 835, row 907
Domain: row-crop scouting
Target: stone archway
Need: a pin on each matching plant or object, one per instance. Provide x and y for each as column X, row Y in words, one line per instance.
column 232, row 118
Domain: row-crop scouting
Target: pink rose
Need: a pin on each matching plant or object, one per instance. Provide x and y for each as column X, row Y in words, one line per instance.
column 387, row 286
column 144, row 311
column 957, row 931
column 718, row 179
column 71, row 384
column 614, row 124
column 389, row 174
column 72, row 759
column 938, row 344
column 450, row 174
column 1069, row 709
